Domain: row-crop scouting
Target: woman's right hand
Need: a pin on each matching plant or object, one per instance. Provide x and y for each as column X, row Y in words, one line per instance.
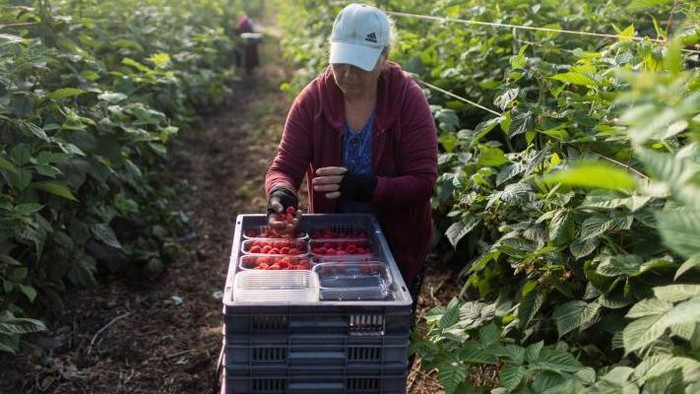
column 281, row 220
column 282, row 214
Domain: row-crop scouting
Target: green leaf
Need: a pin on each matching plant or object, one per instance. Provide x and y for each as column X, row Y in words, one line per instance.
column 11, row 325
column 160, row 60
column 612, row 266
column 562, row 227
column 670, row 382
column 628, row 32
column 517, row 193
column 575, row 78
column 521, row 123
column 605, row 199
column 550, row 382
column 7, row 165
column 9, row 343
column 28, row 209
column 691, row 263
column 679, row 174
column 680, row 231
column 690, row 368
column 482, row 129
column 31, row 129
column 53, row 157
column 642, row 332
column 685, row 331
column 674, row 57
column 556, row 361
column 638, row 4
column 472, row 352
column 529, row 306
column 618, row 375
column 491, row 157
column 575, row 314
column 55, row 188
column 65, row 93
column 676, row 293
column 112, row 97
column 133, row 63
column 460, row 229
column 28, row 291
column 9, row 260
column 506, row 173
column 648, row 307
column 447, row 119
column 520, row 60
column 587, row 375
column 506, row 98
column 532, row 352
column 452, row 373
column 642, row 327
column 18, row 274
column 6, row 39
column 514, row 353
column 512, row 375
column 489, row 335
column 594, row 226
column 104, row 233
column 583, row 247
column 593, row 175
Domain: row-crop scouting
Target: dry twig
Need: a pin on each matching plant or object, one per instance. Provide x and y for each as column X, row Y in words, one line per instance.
column 169, row 356
column 106, row 326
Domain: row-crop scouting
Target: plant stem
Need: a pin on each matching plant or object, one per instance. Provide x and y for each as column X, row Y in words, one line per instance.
column 670, row 18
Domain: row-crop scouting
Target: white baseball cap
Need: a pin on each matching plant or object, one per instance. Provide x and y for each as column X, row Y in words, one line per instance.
column 360, row 34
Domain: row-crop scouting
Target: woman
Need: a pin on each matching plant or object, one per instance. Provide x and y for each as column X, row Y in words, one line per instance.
column 363, row 134
column 248, row 56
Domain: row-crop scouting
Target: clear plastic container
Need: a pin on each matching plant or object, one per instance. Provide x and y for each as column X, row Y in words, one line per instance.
column 256, row 286
column 348, row 258
column 340, row 247
column 338, row 231
column 273, row 262
column 266, row 232
column 289, row 247
column 353, row 281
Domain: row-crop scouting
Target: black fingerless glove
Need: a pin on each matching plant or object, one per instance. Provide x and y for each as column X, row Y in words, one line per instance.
column 357, row 187
column 287, row 198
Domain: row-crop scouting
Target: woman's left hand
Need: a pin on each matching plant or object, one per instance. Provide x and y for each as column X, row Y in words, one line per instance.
column 328, row 180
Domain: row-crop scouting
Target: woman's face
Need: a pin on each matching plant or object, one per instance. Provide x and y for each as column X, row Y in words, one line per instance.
column 354, row 80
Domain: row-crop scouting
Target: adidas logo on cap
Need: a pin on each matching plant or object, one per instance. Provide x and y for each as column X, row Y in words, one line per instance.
column 371, row 37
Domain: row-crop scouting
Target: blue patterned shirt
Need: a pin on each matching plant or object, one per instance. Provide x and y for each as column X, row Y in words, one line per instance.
column 357, row 158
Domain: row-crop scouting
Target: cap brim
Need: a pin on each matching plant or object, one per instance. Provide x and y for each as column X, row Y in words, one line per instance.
column 360, row 56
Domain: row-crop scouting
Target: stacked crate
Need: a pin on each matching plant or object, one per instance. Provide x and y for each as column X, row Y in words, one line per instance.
column 345, row 347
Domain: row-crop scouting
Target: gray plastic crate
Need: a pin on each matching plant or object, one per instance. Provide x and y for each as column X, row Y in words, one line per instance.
column 314, row 381
column 391, row 316
column 373, row 320
column 317, row 350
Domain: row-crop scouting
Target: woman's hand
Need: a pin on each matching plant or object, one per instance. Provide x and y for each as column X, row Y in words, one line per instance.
column 283, row 221
column 328, row 180
column 282, row 214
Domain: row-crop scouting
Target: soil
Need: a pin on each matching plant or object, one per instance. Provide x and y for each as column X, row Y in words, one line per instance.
column 165, row 336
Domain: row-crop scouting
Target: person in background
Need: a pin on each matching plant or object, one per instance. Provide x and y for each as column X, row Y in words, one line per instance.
column 248, row 52
column 363, row 134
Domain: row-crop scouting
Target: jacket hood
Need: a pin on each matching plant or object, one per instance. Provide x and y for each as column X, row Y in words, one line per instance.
column 391, row 89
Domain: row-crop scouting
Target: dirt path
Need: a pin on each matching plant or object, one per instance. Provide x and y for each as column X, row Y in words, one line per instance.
column 165, row 337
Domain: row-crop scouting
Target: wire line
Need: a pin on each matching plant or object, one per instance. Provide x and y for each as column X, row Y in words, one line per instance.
column 535, row 28
column 457, row 97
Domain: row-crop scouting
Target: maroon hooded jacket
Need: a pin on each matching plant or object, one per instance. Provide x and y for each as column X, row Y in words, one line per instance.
column 404, row 156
